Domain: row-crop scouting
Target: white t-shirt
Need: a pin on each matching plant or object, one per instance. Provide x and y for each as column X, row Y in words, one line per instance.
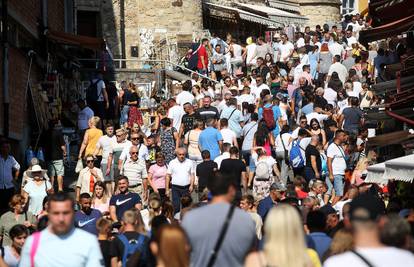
column 219, row 159
column 331, row 96
column 357, row 88
column 319, row 117
column 340, row 69
column 351, row 40
column 100, row 86
column 337, row 153
column 336, row 49
column 237, row 51
column 184, row 97
column 251, row 48
column 279, row 144
column 36, row 194
column 142, row 152
column 248, row 132
column 78, row 248
column 83, row 117
column 300, row 42
column 285, row 49
column 180, row 171
column 175, row 113
column 228, row 135
column 257, row 90
column 339, row 206
column 105, row 142
column 378, row 257
column 245, row 98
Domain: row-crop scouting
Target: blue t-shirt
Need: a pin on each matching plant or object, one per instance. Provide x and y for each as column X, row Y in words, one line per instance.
column 87, row 222
column 276, row 114
column 209, row 139
column 264, row 206
column 124, row 202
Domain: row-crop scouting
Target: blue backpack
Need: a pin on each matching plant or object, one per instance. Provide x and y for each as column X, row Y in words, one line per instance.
column 131, row 246
column 296, row 159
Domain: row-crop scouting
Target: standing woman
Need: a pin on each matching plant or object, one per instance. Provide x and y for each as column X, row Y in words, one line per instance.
column 264, row 177
column 36, row 190
column 100, row 199
column 90, row 139
column 156, row 175
column 264, row 138
column 171, row 247
column 18, row 235
column 313, row 61
column 133, row 101
column 161, row 114
column 315, row 129
column 168, row 139
column 191, row 140
column 283, row 230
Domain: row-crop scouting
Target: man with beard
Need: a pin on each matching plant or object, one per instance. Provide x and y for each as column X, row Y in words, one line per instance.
column 86, row 217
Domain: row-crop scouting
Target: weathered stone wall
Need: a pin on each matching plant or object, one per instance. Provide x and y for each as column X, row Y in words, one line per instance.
column 320, row 11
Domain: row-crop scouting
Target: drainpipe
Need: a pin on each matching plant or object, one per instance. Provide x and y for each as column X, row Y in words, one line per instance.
column 5, row 63
column 44, row 14
column 122, row 30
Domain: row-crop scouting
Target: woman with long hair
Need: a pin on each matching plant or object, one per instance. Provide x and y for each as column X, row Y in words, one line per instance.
column 171, row 247
column 133, row 101
column 268, row 59
column 359, row 171
column 100, row 198
column 264, row 138
column 314, row 62
column 18, row 235
column 168, row 139
column 154, row 209
column 264, row 175
column 315, row 129
column 283, row 230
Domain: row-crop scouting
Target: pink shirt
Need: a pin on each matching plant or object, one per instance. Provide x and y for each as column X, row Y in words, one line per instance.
column 158, row 175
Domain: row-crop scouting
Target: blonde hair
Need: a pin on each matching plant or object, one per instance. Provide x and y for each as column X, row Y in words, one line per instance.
column 95, row 120
column 360, row 165
column 173, row 246
column 341, row 242
column 284, row 231
column 154, row 206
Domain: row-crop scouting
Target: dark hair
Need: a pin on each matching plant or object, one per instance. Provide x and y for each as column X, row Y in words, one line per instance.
column 337, row 58
column 122, row 177
column 302, row 132
column 226, row 147
column 316, row 221
column 234, row 150
column 315, row 120
column 61, row 197
column 109, row 124
column 204, row 39
column 262, row 133
column 249, row 199
column 205, row 154
column 224, row 122
column 219, row 184
column 254, row 116
column 18, row 230
column 186, row 201
column 166, row 122
column 85, row 195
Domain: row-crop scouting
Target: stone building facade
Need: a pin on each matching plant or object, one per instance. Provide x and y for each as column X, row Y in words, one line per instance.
column 320, row 11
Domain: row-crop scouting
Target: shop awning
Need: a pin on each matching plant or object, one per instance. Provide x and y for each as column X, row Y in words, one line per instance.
column 285, row 5
column 400, row 169
column 387, row 30
column 376, row 174
column 387, row 11
column 389, row 139
column 275, row 14
column 227, row 12
column 76, row 40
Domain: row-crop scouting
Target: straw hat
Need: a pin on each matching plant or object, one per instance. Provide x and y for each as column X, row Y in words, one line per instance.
column 35, row 168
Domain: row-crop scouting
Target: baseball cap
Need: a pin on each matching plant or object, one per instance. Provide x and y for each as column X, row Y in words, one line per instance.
column 278, row 186
column 366, row 207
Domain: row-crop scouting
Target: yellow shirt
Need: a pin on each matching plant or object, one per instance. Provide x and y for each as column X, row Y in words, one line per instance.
column 314, row 257
column 93, row 137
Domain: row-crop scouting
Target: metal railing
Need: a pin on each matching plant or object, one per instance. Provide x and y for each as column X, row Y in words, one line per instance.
column 144, row 64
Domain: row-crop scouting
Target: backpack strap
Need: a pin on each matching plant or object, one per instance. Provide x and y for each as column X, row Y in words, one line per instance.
column 34, row 248
column 369, row 264
column 125, row 242
column 231, row 114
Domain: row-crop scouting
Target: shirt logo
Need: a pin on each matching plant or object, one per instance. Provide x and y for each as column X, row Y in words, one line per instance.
column 82, row 224
column 122, row 201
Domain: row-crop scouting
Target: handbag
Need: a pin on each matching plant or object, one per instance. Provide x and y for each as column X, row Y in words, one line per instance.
column 30, row 228
column 213, row 255
column 79, row 166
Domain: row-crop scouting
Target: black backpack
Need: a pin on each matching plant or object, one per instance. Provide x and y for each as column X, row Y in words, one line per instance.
column 92, row 92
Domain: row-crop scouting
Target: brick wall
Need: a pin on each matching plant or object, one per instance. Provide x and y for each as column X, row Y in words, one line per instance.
column 56, row 15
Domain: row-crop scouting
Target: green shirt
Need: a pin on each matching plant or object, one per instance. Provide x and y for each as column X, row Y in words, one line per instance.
column 8, row 220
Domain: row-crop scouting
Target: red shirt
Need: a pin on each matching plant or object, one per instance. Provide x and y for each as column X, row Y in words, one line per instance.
column 202, row 52
column 301, row 194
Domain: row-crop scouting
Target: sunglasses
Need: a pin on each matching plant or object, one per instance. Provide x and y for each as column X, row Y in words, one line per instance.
column 119, row 135
column 134, row 153
column 303, row 122
column 135, row 139
column 90, row 161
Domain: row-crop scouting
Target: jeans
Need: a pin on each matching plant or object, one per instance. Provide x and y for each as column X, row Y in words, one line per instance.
column 177, row 193
column 338, row 185
column 247, row 156
column 124, row 115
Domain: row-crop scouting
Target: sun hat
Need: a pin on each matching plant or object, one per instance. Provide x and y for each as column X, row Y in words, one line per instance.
column 34, row 169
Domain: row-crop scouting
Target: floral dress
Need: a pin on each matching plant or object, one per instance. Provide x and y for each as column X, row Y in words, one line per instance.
column 168, row 143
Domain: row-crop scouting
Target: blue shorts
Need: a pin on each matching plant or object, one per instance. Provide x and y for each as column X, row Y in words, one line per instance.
column 338, row 185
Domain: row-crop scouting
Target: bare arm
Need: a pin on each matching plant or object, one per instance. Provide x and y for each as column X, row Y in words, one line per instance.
column 177, row 140
column 77, row 193
column 245, row 180
column 84, row 144
column 150, row 182
column 329, row 163
column 105, row 95
column 167, row 185
column 112, row 213
column 314, row 166
column 323, row 137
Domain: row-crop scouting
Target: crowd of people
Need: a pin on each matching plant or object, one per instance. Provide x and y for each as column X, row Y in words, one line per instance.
column 262, row 164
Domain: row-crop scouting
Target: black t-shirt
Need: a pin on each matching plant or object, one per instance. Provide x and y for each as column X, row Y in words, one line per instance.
column 188, row 121
column 207, row 113
column 233, row 167
column 132, row 98
column 311, row 150
column 205, row 170
column 117, row 249
column 52, row 142
column 124, row 202
column 106, row 251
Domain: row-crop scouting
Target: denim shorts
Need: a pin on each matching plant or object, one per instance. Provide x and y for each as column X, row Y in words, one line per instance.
column 247, row 156
column 338, row 185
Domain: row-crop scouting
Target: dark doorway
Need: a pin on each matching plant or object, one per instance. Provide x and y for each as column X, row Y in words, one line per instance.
column 88, row 23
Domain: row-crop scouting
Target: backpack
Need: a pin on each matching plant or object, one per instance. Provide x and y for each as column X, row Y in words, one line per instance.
column 269, row 118
column 131, row 246
column 262, row 171
column 296, row 159
column 92, row 92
